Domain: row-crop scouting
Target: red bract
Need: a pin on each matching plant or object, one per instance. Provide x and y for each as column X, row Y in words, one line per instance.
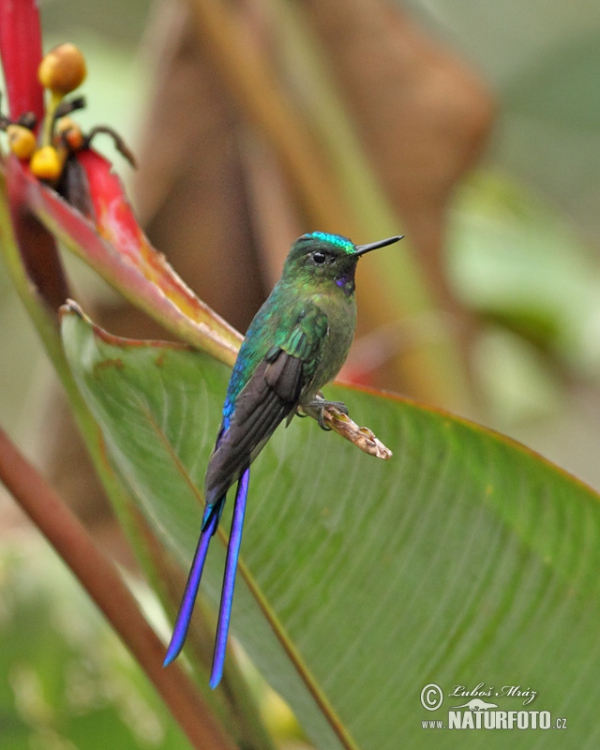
column 21, row 52
column 37, row 246
column 106, row 235
column 117, row 249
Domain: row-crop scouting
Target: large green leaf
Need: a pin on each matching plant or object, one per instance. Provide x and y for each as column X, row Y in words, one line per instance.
column 465, row 559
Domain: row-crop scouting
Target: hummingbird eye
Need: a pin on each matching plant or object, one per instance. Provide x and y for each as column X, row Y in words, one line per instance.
column 319, row 258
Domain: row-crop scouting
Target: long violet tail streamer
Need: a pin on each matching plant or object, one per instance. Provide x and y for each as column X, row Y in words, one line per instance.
column 186, row 607
column 233, row 552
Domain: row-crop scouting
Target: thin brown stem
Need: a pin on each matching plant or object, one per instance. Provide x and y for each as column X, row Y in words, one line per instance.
column 100, row 578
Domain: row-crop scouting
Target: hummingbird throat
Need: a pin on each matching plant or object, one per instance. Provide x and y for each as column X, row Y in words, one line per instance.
column 346, row 282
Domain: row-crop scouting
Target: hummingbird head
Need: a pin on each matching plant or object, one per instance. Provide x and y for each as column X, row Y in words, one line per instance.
column 327, row 258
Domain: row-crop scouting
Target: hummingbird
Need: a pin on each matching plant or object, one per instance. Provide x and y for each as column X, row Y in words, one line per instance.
column 296, row 343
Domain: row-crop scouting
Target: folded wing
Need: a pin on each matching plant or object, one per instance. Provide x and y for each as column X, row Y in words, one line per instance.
column 270, row 395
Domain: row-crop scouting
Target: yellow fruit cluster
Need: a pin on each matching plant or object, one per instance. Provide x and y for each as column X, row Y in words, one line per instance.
column 61, row 71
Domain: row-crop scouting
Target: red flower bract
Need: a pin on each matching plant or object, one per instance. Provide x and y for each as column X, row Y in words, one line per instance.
column 21, row 53
column 91, row 215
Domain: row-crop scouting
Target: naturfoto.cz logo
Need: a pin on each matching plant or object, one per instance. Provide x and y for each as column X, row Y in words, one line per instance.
column 479, row 710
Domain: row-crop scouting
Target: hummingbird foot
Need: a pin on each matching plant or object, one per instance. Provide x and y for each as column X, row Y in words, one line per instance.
column 316, row 407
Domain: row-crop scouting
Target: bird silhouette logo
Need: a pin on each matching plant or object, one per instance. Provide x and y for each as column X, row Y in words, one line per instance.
column 476, row 704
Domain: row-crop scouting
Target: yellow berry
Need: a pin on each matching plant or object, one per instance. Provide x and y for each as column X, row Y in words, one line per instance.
column 21, row 141
column 46, row 164
column 69, row 131
column 63, row 69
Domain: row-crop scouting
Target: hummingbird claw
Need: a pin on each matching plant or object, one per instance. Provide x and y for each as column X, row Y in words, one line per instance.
column 316, row 407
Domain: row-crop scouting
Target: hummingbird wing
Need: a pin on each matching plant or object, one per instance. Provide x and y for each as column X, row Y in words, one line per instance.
column 270, row 394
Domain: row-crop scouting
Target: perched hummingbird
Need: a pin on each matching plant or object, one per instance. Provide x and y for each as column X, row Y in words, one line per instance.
column 295, row 344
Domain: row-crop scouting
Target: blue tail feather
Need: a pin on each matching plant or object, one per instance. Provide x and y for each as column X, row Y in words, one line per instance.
column 233, row 552
column 186, row 607
column 210, row 521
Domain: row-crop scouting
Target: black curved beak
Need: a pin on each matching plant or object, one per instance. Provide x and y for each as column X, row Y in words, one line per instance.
column 362, row 249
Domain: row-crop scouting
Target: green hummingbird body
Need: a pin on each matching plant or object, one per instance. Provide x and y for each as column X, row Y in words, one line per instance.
column 296, row 343
column 308, row 321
